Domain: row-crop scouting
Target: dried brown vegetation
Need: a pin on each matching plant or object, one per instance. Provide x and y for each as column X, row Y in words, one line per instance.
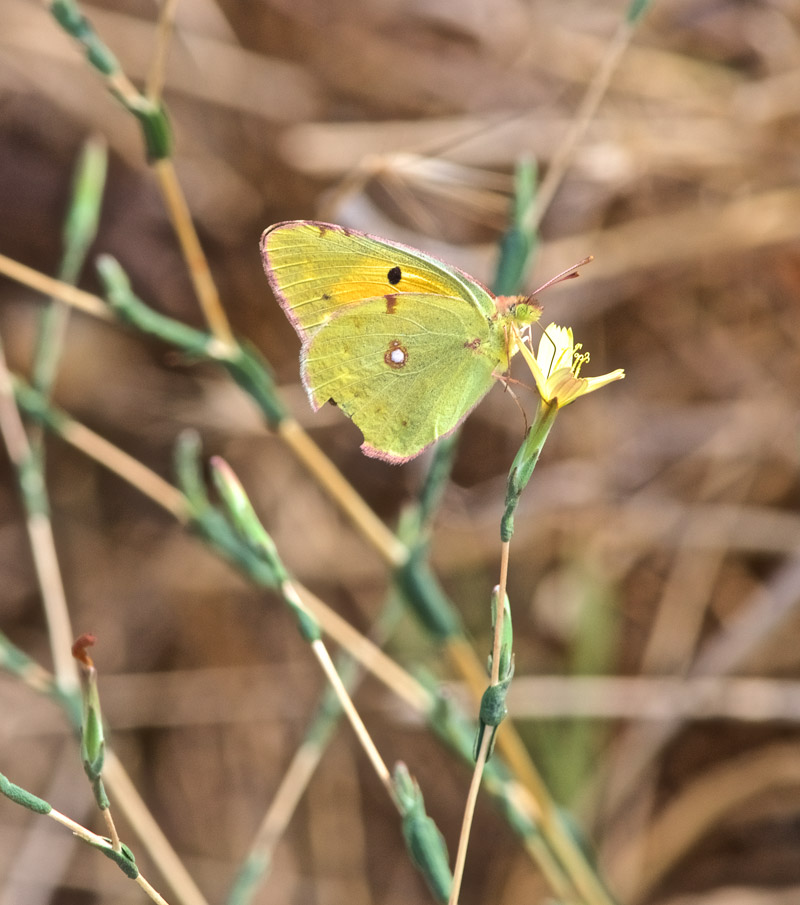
column 658, row 542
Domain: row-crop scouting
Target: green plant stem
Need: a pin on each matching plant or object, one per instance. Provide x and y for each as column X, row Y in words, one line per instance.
column 121, row 855
column 80, row 228
column 520, row 241
column 158, row 141
column 524, row 464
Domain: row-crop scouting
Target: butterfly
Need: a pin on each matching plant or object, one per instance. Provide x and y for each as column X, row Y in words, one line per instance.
column 404, row 344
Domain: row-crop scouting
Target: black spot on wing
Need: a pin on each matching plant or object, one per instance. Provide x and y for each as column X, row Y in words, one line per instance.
column 395, row 275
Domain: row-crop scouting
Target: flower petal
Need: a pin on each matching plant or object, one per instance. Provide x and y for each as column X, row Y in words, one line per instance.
column 555, row 348
column 533, row 365
column 554, row 367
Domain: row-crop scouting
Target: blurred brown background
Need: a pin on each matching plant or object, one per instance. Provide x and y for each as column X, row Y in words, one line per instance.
column 659, row 536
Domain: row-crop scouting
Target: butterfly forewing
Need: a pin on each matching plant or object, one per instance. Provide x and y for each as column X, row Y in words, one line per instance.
column 318, row 269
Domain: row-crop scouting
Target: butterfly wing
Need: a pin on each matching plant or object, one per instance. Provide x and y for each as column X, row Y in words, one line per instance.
column 406, row 368
column 316, row 269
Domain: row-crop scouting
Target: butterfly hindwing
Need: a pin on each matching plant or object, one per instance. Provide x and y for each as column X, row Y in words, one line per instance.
column 406, row 368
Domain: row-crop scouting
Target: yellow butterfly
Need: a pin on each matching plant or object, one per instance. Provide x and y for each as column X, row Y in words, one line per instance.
column 404, row 344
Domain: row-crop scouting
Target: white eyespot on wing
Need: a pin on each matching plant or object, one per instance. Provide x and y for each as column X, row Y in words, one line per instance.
column 396, row 355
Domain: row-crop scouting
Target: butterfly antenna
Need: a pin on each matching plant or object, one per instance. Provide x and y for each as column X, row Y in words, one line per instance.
column 569, row 274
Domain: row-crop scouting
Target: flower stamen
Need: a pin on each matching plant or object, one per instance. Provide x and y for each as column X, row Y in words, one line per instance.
column 579, row 359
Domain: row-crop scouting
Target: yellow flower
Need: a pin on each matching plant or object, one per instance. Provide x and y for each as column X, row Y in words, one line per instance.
column 557, row 366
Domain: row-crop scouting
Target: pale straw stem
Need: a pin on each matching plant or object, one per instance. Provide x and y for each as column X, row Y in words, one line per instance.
column 469, row 813
column 500, row 611
column 193, row 253
column 154, row 84
column 374, row 531
column 77, row 298
column 346, row 703
column 562, row 159
column 40, row 534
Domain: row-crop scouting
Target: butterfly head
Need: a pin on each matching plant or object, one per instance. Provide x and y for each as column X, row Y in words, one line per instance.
column 520, row 309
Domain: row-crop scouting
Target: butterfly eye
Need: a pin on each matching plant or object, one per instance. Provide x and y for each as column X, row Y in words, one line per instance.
column 394, row 275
